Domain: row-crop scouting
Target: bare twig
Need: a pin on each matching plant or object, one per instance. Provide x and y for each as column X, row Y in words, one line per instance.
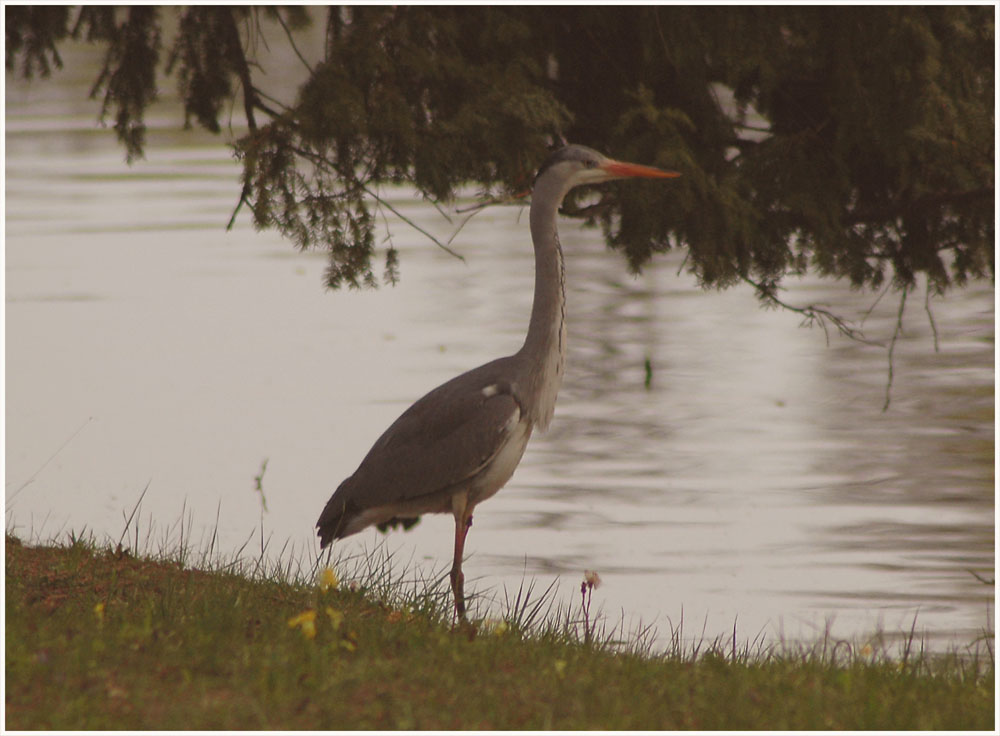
column 51, row 457
column 326, row 164
column 255, row 33
column 259, row 105
column 411, row 223
column 930, row 316
column 462, row 224
column 982, row 578
column 475, row 209
column 892, row 345
column 291, row 41
column 437, row 206
column 385, row 222
column 875, row 303
column 244, row 198
column 483, row 204
column 680, row 268
column 812, row 313
column 243, row 70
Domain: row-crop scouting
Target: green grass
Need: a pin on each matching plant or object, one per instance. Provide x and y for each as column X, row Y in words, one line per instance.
column 100, row 639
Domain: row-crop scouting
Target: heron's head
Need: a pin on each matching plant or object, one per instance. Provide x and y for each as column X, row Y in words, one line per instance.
column 575, row 165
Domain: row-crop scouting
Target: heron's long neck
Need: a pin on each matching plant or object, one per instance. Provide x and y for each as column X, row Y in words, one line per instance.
column 545, row 345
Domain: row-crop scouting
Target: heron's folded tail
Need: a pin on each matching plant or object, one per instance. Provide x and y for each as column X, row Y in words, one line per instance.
column 332, row 522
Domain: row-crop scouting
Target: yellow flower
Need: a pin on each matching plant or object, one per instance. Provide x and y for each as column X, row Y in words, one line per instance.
column 497, row 627
column 592, row 579
column 349, row 641
column 336, row 617
column 328, row 580
column 99, row 613
column 306, row 622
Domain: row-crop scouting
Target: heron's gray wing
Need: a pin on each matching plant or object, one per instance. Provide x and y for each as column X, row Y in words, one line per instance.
column 443, row 439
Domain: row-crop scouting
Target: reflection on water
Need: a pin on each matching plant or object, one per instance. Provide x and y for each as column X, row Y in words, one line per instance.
column 755, row 479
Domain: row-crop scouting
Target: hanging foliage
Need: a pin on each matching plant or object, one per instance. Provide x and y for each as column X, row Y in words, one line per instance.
column 857, row 142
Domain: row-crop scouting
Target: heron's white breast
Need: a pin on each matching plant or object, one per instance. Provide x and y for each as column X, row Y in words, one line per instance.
column 502, row 467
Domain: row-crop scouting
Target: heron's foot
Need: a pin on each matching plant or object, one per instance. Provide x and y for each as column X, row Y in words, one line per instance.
column 465, row 627
column 458, row 589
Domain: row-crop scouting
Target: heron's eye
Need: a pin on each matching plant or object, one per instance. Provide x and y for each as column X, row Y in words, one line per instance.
column 590, row 163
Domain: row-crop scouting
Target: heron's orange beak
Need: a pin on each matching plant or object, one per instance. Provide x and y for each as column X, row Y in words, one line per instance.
column 627, row 170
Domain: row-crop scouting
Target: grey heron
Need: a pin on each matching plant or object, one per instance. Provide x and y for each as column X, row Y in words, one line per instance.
column 459, row 444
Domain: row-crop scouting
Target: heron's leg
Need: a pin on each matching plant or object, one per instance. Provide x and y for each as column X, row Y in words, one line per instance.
column 457, row 576
column 463, row 520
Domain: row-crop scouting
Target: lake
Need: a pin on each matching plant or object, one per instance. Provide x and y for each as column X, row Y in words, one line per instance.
column 755, row 482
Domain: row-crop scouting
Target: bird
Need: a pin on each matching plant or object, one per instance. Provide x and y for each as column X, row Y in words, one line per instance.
column 460, row 443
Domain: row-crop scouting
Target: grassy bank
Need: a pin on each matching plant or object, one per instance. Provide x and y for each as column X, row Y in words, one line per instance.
column 101, row 640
